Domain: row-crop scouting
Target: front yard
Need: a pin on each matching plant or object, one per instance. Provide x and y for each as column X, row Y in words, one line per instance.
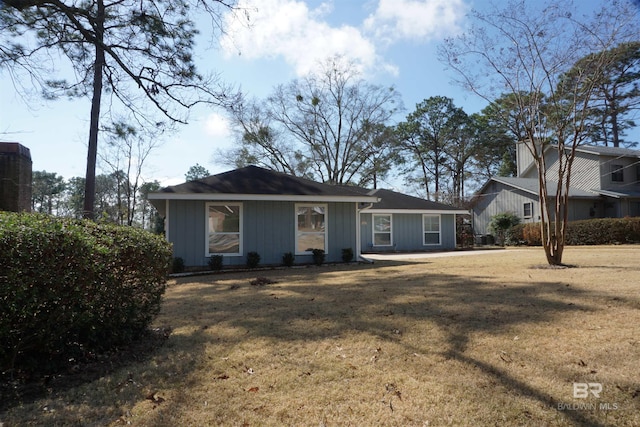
column 474, row 340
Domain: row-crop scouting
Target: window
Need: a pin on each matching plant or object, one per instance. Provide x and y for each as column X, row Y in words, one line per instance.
column 431, row 229
column 617, row 173
column 224, row 227
column 382, row 230
column 528, row 210
column 311, row 229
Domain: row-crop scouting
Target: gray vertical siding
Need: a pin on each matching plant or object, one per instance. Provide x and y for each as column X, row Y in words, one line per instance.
column 187, row 230
column 269, row 228
column 342, row 230
column 523, row 158
column 407, row 233
column 499, row 198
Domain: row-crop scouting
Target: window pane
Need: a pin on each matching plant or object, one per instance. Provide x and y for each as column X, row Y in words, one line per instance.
column 224, row 243
column 431, row 238
column 382, row 239
column 381, row 223
column 224, row 218
column 309, row 241
column 311, row 218
column 432, row 223
column 617, row 173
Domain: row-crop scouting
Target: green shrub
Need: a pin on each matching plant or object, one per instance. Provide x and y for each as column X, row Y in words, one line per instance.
column 215, row 262
column 71, row 287
column 288, row 259
column 501, row 223
column 177, row 265
column 514, row 235
column 604, row 231
column 253, row 259
column 599, row 231
column 318, row 256
column 347, row 255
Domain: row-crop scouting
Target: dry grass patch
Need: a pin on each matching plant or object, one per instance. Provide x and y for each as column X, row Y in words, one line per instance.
column 474, row 340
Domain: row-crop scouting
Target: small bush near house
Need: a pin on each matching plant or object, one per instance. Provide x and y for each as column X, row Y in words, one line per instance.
column 177, row 265
column 347, row 255
column 215, row 262
column 513, row 236
column 71, row 288
column 318, row 256
column 501, row 223
column 253, row 259
column 288, row 259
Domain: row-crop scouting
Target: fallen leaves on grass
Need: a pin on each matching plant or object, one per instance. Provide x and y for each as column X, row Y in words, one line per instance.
column 261, row 281
column 155, row 398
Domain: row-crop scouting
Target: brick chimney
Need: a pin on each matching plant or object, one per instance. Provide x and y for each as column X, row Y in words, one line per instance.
column 15, row 177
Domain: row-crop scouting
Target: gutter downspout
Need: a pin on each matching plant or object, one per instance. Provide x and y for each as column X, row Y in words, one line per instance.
column 359, row 256
column 166, row 220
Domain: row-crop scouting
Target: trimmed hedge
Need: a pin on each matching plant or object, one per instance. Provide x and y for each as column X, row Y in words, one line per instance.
column 602, row 231
column 69, row 288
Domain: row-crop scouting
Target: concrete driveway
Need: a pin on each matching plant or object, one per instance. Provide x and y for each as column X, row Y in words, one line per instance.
column 421, row 255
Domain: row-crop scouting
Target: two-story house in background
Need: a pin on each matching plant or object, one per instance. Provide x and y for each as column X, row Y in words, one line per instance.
column 605, row 183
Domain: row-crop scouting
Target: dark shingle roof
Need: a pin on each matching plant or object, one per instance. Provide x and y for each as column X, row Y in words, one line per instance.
column 392, row 200
column 609, row 151
column 258, row 181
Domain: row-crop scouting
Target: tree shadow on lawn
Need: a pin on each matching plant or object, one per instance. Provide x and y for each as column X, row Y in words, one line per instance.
column 316, row 304
column 319, row 304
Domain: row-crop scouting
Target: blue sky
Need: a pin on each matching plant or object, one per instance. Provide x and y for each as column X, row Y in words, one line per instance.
column 394, row 41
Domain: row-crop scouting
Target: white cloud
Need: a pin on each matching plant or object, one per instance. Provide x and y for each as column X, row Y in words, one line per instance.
column 289, row 29
column 217, row 126
column 418, row 20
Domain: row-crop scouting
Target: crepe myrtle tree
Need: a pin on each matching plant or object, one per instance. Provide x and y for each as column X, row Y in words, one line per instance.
column 127, row 54
column 526, row 50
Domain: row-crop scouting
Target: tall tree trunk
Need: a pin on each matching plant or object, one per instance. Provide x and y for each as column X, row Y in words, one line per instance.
column 92, row 151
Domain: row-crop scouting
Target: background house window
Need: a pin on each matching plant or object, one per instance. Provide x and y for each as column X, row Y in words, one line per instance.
column 528, row 210
column 431, row 229
column 617, row 173
column 311, row 230
column 224, row 229
column 382, row 230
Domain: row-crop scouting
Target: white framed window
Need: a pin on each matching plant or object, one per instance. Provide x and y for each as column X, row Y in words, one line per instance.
column 311, row 227
column 431, row 229
column 224, row 229
column 382, row 230
column 527, row 209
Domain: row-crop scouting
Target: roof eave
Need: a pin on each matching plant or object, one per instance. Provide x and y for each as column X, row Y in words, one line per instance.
column 418, row 211
column 263, row 197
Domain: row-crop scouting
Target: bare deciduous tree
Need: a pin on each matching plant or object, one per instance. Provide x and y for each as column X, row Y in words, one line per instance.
column 317, row 126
